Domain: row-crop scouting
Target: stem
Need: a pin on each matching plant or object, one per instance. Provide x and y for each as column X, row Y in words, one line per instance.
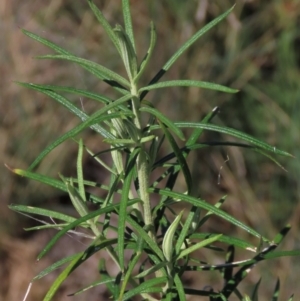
column 142, row 166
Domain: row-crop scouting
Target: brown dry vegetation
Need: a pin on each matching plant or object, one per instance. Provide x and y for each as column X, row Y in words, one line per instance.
column 255, row 50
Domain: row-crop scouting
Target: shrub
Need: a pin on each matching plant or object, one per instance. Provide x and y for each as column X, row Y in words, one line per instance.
column 161, row 242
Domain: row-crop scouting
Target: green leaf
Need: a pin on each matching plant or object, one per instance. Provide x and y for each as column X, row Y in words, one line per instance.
column 61, row 278
column 209, row 213
column 55, row 266
column 78, row 222
column 151, row 270
column 180, row 158
column 195, row 37
column 98, row 70
column 164, row 120
column 199, row 245
column 188, row 83
column 231, row 132
column 98, row 116
column 281, row 235
column 228, row 240
column 41, row 178
column 148, row 286
column 142, row 233
column 179, row 288
column 149, row 52
column 96, row 246
column 200, row 203
column 127, row 52
column 80, row 178
column 127, row 21
column 123, row 207
column 50, row 181
column 42, row 212
column 131, row 266
column 46, row 42
column 85, row 93
column 77, row 201
column 66, row 103
column 167, row 244
column 277, row 254
column 197, row 132
column 184, row 47
column 185, row 229
column 108, row 29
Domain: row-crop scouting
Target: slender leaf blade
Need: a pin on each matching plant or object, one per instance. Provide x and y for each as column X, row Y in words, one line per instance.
column 99, row 70
column 102, row 20
column 63, row 275
column 98, row 116
column 189, row 83
column 42, row 212
column 184, row 47
column 180, row 158
column 200, row 203
column 46, row 42
column 199, row 245
column 195, row 37
column 123, row 207
column 128, row 22
column 67, row 104
column 151, row 285
column 79, row 221
column 231, row 132
column 180, row 288
column 165, row 120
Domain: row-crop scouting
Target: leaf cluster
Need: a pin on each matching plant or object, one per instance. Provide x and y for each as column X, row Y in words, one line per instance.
column 162, row 243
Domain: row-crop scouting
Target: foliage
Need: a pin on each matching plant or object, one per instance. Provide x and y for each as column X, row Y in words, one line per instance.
column 161, row 243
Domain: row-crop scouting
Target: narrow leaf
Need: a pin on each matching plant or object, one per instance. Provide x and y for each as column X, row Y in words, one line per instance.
column 184, row 47
column 164, row 120
column 228, row 240
column 123, row 207
column 141, row 232
column 98, row 116
column 131, row 266
column 149, row 52
column 197, row 132
column 195, row 37
column 47, row 43
column 127, row 21
column 108, row 29
column 80, row 178
column 180, row 158
column 42, row 212
column 199, row 245
column 55, row 266
column 127, row 52
column 231, row 132
column 152, row 285
column 61, row 278
column 185, row 229
column 189, row 83
column 91, row 95
column 168, row 243
column 79, row 221
column 200, row 203
column 97, row 69
column 179, row 288
column 67, row 104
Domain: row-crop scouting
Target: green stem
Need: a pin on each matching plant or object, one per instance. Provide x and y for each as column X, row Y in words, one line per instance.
column 142, row 165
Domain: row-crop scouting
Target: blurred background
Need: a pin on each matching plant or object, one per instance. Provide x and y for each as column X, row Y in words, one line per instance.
column 256, row 50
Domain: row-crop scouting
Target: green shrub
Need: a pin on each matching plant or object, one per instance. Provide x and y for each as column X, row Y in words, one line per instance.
column 161, row 242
